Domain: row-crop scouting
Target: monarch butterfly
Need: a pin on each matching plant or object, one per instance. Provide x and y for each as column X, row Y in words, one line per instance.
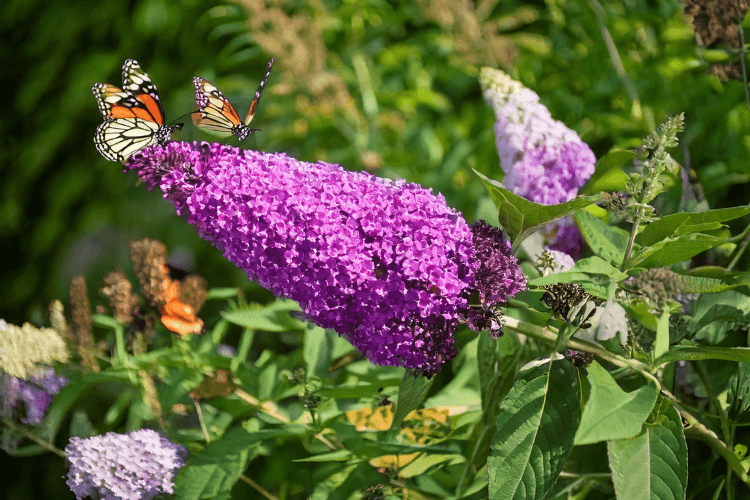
column 133, row 115
column 217, row 115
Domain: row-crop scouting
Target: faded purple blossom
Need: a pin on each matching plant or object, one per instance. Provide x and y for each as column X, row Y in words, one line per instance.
column 563, row 235
column 28, row 399
column 138, row 465
column 386, row 264
column 544, row 161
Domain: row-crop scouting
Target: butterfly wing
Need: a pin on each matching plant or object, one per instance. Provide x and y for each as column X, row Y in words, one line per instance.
column 134, row 118
column 214, row 111
column 256, row 99
column 117, row 139
column 139, row 85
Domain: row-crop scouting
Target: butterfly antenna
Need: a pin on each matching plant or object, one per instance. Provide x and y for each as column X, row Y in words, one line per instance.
column 183, row 116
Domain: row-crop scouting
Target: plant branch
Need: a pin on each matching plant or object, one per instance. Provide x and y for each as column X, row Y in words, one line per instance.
column 545, row 334
column 697, row 430
column 260, row 489
column 29, row 435
column 272, row 410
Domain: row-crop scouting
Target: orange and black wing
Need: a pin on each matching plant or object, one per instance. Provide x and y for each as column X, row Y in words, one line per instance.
column 133, row 115
column 256, row 99
column 136, row 82
column 214, row 111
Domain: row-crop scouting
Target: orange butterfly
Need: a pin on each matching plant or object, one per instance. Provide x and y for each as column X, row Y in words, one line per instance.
column 217, row 115
column 133, row 115
column 177, row 316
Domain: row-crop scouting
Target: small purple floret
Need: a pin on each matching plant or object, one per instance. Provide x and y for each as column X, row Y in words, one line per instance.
column 138, row 465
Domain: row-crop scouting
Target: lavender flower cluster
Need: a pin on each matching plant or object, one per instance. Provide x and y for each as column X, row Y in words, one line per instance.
column 544, row 161
column 29, row 398
column 138, row 465
column 386, row 264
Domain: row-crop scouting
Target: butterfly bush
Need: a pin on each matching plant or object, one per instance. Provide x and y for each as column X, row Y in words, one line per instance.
column 138, row 465
column 544, row 161
column 386, row 264
column 29, row 398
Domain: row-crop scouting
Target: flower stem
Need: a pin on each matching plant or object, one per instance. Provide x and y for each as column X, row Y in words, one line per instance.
column 260, row 489
column 29, row 435
column 545, row 334
column 697, row 430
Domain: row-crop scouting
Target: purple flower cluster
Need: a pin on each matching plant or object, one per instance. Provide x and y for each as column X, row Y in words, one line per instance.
column 386, row 264
column 544, row 161
column 138, row 465
column 499, row 276
column 28, row 399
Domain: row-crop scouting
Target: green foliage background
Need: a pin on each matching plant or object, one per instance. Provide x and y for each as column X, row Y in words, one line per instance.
column 389, row 87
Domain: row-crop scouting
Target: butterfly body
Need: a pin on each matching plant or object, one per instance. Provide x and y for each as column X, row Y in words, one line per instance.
column 216, row 114
column 133, row 116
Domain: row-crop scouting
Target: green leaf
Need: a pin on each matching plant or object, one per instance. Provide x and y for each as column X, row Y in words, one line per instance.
column 611, row 413
column 690, row 353
column 608, row 176
column 661, row 344
column 334, row 456
column 497, row 360
column 67, row 397
column 411, row 393
column 271, row 318
column 216, row 468
column 674, row 250
column 711, row 279
column 652, row 465
column 684, row 223
column 521, row 217
column 608, row 242
column 535, row 431
column 594, row 274
column 359, row 391
column 221, row 293
column 728, row 307
column 316, row 350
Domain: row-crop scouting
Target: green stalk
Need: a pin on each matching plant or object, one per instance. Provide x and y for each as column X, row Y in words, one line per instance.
column 545, row 334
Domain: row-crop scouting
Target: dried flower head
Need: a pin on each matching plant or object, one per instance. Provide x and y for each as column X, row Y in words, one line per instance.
column 193, row 291
column 570, row 302
column 660, row 285
column 138, row 465
column 24, row 348
column 386, row 264
column 118, row 291
column 80, row 311
column 579, row 359
column 150, row 265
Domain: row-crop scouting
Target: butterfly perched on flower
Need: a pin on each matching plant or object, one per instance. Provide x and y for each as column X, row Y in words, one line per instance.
column 217, row 115
column 133, row 115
